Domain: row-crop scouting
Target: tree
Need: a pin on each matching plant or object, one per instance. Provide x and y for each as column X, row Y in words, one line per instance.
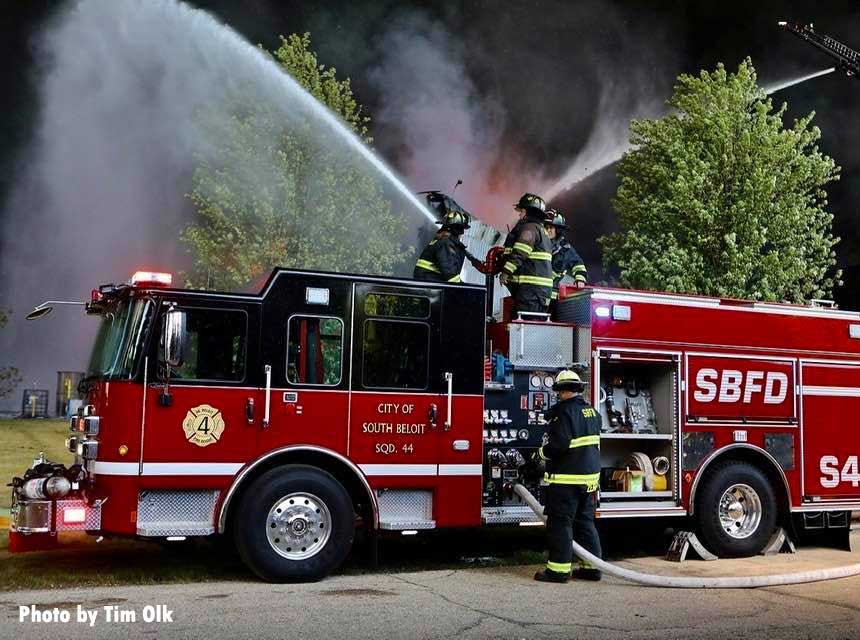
column 719, row 198
column 277, row 191
column 9, row 378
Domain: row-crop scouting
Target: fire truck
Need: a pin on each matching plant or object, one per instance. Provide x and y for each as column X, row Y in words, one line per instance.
column 289, row 419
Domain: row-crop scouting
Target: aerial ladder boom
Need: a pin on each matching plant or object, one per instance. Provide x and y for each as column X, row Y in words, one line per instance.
column 846, row 58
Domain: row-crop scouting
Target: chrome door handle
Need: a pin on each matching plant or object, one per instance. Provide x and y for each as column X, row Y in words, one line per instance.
column 449, row 377
column 268, row 371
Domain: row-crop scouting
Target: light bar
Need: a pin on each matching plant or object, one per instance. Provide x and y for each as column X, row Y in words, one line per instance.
column 151, row 278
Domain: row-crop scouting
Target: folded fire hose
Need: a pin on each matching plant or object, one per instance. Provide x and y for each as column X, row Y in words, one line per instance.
column 684, row 582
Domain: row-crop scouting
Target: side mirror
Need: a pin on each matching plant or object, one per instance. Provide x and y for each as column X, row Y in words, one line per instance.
column 173, row 336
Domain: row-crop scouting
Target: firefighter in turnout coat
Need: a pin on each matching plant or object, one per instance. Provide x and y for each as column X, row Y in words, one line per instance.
column 565, row 260
column 572, row 456
column 526, row 268
column 442, row 259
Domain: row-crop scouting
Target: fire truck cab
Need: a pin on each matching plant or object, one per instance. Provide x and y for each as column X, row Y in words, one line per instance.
column 282, row 418
column 288, row 418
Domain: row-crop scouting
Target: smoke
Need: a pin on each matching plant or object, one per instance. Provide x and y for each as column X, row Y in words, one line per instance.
column 445, row 129
column 607, row 141
column 101, row 191
column 478, row 98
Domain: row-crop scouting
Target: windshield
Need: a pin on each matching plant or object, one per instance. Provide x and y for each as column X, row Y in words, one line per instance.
column 120, row 338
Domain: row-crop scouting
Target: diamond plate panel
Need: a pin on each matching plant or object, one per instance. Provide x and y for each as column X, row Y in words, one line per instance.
column 583, row 344
column 175, row 530
column 576, row 309
column 93, row 521
column 405, row 509
column 406, row 525
column 508, row 515
column 176, row 513
column 537, row 346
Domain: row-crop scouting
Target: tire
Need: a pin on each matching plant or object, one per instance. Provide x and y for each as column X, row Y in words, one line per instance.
column 736, row 510
column 294, row 524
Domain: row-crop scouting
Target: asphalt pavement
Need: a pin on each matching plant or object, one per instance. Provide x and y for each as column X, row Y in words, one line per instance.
column 501, row 602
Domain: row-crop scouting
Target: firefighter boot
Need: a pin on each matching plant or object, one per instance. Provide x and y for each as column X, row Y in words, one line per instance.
column 548, row 575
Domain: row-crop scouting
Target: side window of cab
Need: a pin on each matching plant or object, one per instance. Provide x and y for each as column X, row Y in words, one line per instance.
column 214, row 346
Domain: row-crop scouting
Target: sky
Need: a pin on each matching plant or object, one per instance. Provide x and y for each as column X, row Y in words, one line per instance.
column 507, row 96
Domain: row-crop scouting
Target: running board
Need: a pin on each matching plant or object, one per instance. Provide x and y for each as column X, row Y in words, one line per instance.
column 508, row 515
column 631, row 509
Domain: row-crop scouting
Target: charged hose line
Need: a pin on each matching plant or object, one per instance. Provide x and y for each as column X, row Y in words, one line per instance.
column 685, row 582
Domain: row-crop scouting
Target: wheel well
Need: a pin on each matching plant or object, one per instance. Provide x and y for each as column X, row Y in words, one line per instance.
column 362, row 500
column 757, row 458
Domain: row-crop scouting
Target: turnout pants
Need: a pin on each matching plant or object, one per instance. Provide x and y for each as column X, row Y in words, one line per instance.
column 570, row 516
column 530, row 298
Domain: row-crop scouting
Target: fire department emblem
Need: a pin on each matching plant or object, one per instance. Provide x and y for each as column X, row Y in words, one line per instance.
column 203, row 425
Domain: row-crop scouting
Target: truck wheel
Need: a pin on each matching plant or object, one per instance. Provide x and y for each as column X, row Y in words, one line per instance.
column 736, row 510
column 294, row 523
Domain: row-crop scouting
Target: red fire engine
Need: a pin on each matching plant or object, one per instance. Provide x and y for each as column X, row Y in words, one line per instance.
column 324, row 403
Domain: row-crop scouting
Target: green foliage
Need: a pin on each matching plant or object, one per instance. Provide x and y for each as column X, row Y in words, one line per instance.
column 9, row 377
column 277, row 192
column 719, row 198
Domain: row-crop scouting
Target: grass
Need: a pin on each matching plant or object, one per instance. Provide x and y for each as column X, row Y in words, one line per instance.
column 21, row 441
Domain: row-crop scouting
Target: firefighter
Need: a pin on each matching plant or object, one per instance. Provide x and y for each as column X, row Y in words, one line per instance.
column 572, row 456
column 565, row 260
column 442, row 259
column 526, row 268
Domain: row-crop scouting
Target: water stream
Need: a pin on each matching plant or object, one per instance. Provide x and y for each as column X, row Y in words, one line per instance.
column 585, row 167
column 201, row 24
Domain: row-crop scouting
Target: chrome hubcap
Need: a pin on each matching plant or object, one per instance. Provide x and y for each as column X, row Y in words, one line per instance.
column 740, row 511
column 298, row 526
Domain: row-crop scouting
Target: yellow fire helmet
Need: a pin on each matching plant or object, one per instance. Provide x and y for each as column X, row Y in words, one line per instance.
column 568, row 381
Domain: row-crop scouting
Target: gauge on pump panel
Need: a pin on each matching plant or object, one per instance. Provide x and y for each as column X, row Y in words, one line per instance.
column 523, row 434
column 548, row 381
column 535, row 381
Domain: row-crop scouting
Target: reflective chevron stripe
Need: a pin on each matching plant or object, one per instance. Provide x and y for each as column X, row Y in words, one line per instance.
column 426, row 264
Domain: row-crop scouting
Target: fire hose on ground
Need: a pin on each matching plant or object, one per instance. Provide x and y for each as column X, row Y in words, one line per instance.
column 685, row 582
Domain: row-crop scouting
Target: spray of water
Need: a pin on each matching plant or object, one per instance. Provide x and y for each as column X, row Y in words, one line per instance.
column 101, row 190
column 779, row 86
column 269, row 69
column 608, row 146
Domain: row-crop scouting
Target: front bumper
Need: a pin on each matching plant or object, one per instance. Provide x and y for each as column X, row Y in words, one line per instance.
column 52, row 516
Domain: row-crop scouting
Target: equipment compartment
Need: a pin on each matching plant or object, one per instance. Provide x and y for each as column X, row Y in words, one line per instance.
column 637, row 401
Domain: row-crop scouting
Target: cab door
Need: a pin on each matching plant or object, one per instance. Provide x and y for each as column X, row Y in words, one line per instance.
column 200, row 415
column 306, row 342
column 397, row 402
